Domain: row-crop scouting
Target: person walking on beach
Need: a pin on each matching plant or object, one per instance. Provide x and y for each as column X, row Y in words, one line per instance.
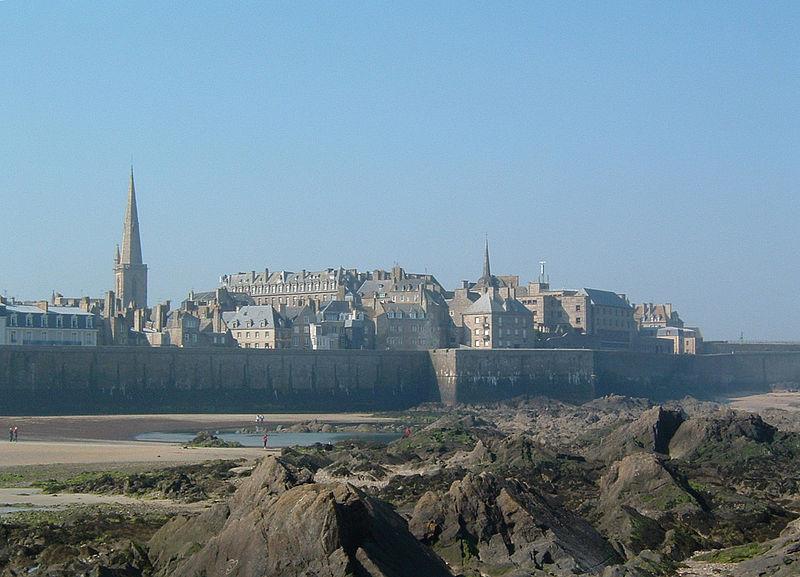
column 16, row 434
column 11, row 434
column 265, row 438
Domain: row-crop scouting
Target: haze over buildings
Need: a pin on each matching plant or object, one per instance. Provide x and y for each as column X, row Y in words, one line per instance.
column 647, row 149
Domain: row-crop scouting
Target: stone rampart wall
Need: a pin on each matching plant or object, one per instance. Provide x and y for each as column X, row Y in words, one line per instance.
column 48, row 380
column 128, row 379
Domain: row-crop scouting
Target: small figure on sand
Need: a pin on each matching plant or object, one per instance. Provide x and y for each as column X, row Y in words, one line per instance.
column 16, row 434
column 11, row 434
column 265, row 438
column 406, row 432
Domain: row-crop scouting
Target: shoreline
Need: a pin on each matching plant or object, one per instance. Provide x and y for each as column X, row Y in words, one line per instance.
column 108, row 441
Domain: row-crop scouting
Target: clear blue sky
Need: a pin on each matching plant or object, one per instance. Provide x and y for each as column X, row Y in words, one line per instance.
column 649, row 148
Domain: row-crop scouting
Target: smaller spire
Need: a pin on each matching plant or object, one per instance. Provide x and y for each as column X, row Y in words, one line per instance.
column 116, row 255
column 487, row 272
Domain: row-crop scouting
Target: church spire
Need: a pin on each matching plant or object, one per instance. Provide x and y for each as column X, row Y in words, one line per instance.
column 131, row 243
column 487, row 272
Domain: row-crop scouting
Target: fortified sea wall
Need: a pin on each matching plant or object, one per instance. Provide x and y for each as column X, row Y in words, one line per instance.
column 52, row 380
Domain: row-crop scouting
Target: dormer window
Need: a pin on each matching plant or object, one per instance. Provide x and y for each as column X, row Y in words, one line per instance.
column 60, row 321
column 29, row 320
column 89, row 322
column 74, row 321
column 13, row 320
column 44, row 321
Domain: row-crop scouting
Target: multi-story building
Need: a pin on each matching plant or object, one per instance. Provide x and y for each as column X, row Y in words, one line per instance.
column 259, row 327
column 418, row 325
column 294, row 288
column 594, row 317
column 612, row 322
column 650, row 315
column 557, row 311
column 42, row 324
column 486, row 314
column 685, row 341
column 397, row 286
column 497, row 322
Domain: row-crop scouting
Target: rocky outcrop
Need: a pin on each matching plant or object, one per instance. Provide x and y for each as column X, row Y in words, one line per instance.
column 651, row 433
column 282, row 524
column 781, row 558
column 492, row 525
column 641, row 499
column 723, row 428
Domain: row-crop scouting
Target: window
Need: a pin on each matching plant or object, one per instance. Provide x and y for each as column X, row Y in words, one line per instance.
column 74, row 322
column 577, row 307
column 13, row 337
column 89, row 322
column 577, row 320
column 13, row 320
column 29, row 320
column 477, row 319
column 44, row 320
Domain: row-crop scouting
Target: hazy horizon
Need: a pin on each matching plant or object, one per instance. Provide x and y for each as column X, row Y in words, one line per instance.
column 642, row 148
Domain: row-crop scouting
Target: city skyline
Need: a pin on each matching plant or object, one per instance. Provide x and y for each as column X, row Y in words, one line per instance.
column 646, row 150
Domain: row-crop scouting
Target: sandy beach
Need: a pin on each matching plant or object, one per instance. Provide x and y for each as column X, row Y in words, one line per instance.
column 106, row 440
column 783, row 400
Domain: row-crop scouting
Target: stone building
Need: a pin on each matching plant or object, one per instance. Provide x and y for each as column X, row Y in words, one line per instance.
column 41, row 324
column 406, row 326
column 486, row 314
column 579, row 318
column 397, row 286
column 129, row 271
column 684, row 341
column 294, row 288
column 259, row 327
column 497, row 322
column 650, row 315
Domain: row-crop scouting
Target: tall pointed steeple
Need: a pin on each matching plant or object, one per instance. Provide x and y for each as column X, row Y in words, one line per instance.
column 130, row 273
column 487, row 281
column 131, row 243
column 487, row 271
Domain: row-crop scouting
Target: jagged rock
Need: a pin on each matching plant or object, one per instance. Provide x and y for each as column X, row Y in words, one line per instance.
column 640, row 499
column 651, row 432
column 726, row 427
column 781, row 559
column 492, row 525
column 279, row 524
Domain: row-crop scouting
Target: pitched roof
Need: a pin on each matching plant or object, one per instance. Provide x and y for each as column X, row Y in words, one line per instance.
column 606, row 298
column 254, row 316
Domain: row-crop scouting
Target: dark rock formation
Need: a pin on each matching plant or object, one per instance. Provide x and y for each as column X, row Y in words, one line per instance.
column 282, row 524
column 492, row 525
column 651, row 432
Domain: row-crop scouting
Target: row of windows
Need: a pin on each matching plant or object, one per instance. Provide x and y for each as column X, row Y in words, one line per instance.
column 256, row 334
column 52, row 338
column 290, row 288
column 44, row 321
column 410, row 315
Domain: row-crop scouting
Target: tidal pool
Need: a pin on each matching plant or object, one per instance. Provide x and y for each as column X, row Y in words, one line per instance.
column 276, row 439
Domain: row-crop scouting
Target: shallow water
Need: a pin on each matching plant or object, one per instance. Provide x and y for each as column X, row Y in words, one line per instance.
column 282, row 439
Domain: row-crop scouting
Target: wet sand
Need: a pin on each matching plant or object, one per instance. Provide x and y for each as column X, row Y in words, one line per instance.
column 783, row 400
column 103, row 441
column 126, row 427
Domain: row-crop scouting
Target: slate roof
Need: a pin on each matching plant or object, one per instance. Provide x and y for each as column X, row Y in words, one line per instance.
column 606, row 298
column 254, row 317
column 490, row 302
column 26, row 309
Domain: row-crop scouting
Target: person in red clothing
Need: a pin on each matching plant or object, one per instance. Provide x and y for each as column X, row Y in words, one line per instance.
column 265, row 438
